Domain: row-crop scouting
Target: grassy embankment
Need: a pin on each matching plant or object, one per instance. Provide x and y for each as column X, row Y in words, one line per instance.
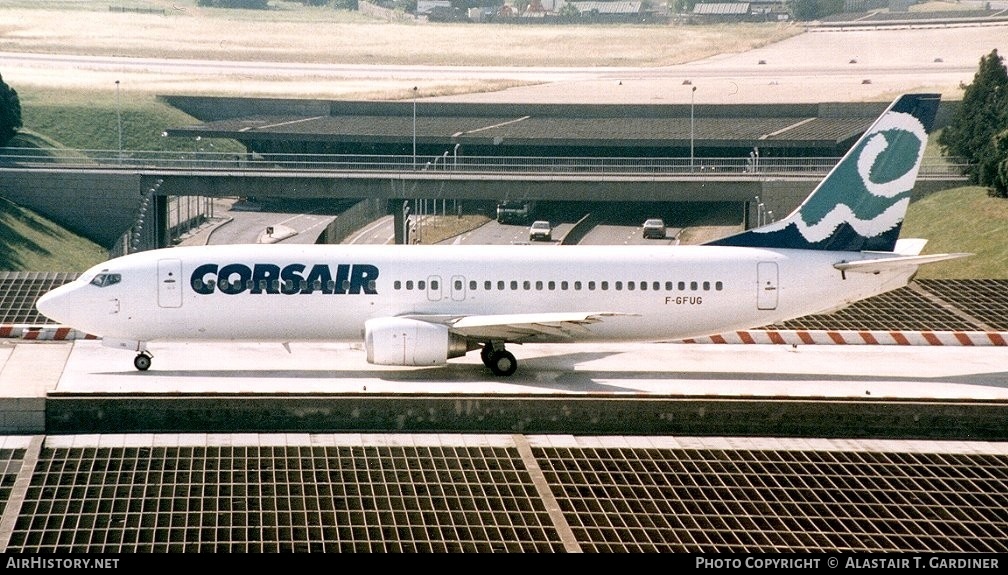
column 82, row 120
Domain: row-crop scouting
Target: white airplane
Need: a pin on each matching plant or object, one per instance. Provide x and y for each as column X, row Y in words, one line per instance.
column 423, row 305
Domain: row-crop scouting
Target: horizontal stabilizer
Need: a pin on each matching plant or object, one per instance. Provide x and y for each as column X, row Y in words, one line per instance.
column 883, row 264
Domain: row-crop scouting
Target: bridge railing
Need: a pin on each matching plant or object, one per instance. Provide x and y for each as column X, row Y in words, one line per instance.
column 602, row 166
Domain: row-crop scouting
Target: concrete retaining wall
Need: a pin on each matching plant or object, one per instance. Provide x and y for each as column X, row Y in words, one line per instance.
column 96, row 205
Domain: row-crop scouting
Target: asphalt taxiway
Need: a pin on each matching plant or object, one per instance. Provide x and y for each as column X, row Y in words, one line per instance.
column 648, row 369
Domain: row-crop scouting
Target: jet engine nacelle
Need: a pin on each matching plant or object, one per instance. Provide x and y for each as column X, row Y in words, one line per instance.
column 400, row 341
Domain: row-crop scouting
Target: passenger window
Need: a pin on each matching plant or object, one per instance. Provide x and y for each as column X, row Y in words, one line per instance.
column 487, row 285
column 539, row 285
column 434, row 285
column 527, row 285
column 422, row 285
column 500, row 285
column 472, row 285
column 577, row 286
column 706, row 286
column 718, row 286
column 514, row 284
column 552, row 285
column 372, row 286
column 409, row 284
column 682, row 286
column 605, row 285
column 397, row 284
column 656, row 286
column 591, row 286
column 563, row 286
column 346, row 285
column 668, row 286
column 693, row 286
column 458, row 285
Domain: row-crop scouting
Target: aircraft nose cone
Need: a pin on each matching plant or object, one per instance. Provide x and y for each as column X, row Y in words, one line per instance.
column 52, row 305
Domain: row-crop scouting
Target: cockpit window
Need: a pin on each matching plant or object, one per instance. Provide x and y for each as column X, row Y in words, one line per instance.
column 106, row 279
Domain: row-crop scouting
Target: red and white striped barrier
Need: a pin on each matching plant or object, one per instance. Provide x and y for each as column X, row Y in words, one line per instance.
column 44, row 332
column 855, row 337
column 778, row 337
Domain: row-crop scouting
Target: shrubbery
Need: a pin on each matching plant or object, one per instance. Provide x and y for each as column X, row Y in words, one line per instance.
column 10, row 113
column 250, row 4
column 979, row 131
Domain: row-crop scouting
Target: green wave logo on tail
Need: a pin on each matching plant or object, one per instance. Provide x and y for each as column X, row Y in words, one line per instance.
column 861, row 204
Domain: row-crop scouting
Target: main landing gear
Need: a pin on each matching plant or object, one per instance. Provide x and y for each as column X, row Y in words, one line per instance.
column 143, row 360
column 499, row 360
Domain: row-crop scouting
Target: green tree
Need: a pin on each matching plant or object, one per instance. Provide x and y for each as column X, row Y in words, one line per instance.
column 10, row 112
column 994, row 167
column 981, row 116
column 814, row 9
column 681, row 6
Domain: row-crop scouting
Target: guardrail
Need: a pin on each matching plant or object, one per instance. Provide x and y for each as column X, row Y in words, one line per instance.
column 28, row 158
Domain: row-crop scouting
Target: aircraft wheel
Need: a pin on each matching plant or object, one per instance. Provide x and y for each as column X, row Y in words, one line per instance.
column 485, row 354
column 142, row 362
column 503, row 362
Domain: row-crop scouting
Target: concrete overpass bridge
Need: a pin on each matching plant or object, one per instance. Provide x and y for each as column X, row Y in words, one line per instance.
column 103, row 194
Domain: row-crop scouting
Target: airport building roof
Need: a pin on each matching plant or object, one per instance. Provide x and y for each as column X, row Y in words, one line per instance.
column 527, row 129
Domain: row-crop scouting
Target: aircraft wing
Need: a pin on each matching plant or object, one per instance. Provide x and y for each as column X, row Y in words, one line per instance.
column 524, row 327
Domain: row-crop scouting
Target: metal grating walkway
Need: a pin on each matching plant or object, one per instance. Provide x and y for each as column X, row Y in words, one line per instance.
column 20, row 290
column 10, row 465
column 432, row 493
column 742, row 500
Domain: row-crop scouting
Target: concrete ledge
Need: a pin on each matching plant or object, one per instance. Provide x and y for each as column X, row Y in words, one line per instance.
column 594, row 415
column 22, row 415
column 275, row 233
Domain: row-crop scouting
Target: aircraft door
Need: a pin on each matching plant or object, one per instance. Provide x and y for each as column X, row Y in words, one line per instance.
column 434, row 288
column 458, row 288
column 170, row 283
column 766, row 283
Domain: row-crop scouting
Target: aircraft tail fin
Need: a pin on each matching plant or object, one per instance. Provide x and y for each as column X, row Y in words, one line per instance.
column 861, row 203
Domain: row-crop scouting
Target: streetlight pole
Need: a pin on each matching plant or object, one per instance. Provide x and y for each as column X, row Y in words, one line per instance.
column 119, row 118
column 414, row 126
column 692, row 94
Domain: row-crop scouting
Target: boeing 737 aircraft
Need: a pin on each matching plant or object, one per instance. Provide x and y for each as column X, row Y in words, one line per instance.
column 423, row 305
